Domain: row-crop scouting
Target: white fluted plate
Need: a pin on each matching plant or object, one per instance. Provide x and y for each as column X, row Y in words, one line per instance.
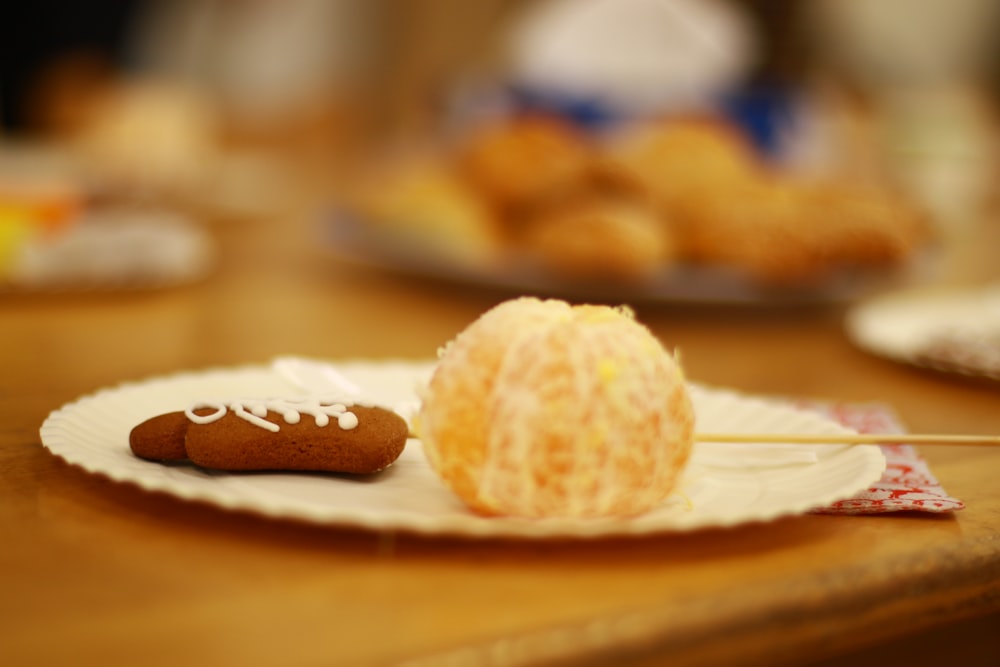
column 724, row 485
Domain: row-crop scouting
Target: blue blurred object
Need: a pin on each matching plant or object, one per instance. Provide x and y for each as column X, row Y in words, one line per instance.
column 589, row 112
column 764, row 112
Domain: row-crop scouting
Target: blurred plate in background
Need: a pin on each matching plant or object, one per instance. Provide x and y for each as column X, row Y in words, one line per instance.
column 352, row 241
column 947, row 329
column 111, row 249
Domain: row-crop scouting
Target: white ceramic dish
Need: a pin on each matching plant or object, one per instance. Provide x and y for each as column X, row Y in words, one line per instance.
column 723, row 486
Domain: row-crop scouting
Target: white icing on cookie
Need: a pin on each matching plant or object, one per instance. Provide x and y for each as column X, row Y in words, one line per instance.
column 255, row 411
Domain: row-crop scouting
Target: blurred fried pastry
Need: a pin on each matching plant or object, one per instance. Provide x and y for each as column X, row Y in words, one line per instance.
column 750, row 225
column 690, row 191
column 423, row 203
column 786, row 232
column 678, row 157
column 599, row 237
column 869, row 226
column 525, row 162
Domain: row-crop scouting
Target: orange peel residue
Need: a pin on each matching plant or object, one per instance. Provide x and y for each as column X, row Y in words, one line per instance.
column 543, row 409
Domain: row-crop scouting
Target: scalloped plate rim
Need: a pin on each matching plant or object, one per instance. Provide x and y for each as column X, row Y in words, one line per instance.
column 58, row 437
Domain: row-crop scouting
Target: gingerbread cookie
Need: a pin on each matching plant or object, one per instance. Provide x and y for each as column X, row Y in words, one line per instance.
column 275, row 434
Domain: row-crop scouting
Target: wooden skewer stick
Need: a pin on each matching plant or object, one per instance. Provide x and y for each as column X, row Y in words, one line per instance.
column 844, row 439
column 848, row 439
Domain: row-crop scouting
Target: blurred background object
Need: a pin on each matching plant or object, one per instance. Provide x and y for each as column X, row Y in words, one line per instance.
column 267, row 65
column 931, row 82
column 56, row 55
column 235, row 108
column 899, row 43
column 634, row 56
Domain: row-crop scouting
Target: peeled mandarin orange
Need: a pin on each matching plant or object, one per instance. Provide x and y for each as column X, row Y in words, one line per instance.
column 543, row 409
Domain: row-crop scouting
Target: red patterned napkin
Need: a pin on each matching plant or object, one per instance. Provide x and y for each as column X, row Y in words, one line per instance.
column 906, row 485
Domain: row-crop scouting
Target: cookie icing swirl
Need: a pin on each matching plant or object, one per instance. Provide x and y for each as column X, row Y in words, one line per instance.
column 255, row 411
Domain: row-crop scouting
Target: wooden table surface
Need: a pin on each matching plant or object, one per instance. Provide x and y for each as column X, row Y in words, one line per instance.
column 94, row 572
